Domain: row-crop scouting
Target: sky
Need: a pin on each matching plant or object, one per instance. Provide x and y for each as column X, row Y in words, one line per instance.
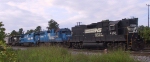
column 28, row 14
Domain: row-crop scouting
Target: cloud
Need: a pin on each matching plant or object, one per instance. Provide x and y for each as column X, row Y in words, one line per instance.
column 28, row 14
column 96, row 10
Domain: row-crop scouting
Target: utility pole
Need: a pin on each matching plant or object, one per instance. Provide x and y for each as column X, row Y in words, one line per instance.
column 148, row 14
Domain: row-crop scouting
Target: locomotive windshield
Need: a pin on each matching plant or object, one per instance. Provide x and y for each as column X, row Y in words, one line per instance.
column 67, row 32
column 112, row 27
column 132, row 28
column 15, row 39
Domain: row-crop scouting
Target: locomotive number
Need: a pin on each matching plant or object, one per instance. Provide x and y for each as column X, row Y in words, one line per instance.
column 113, row 33
column 50, row 37
column 98, row 34
column 28, row 38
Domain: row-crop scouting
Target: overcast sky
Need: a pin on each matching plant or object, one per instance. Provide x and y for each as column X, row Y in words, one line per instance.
column 28, row 14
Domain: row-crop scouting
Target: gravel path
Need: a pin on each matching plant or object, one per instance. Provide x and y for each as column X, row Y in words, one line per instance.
column 142, row 58
column 19, row 48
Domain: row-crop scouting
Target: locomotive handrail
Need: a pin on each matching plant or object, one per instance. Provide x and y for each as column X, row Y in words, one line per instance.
column 127, row 38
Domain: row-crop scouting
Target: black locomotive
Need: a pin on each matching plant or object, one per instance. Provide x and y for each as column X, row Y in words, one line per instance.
column 121, row 33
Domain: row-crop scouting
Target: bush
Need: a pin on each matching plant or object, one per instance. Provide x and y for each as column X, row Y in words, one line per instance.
column 6, row 53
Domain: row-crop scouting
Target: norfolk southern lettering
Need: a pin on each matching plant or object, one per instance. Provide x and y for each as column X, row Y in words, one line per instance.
column 94, row 30
column 97, row 31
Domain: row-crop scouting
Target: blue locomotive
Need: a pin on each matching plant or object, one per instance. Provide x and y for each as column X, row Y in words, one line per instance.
column 48, row 36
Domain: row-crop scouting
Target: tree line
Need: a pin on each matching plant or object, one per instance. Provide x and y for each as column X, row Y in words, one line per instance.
column 52, row 24
column 144, row 32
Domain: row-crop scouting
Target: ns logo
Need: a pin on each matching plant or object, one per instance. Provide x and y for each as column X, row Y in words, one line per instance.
column 94, row 30
column 97, row 31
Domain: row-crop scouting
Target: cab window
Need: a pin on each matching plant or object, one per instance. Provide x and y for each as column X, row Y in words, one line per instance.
column 112, row 27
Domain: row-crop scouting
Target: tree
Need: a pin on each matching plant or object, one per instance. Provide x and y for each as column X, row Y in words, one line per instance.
column 2, row 32
column 28, row 31
column 6, row 54
column 7, row 34
column 38, row 29
column 52, row 24
column 144, row 31
column 21, row 31
column 31, row 31
column 141, row 28
column 14, row 33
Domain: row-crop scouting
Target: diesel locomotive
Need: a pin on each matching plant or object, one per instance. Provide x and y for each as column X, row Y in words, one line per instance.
column 105, row 34
column 36, row 38
column 108, row 34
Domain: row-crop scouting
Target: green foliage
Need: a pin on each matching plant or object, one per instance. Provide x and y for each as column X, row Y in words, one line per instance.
column 38, row 29
column 59, row 54
column 52, row 24
column 114, row 56
column 14, row 33
column 29, row 31
column 2, row 31
column 6, row 53
column 17, row 33
column 144, row 32
column 43, row 54
column 21, row 31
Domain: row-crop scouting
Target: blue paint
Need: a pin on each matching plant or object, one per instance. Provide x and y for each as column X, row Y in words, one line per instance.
column 59, row 35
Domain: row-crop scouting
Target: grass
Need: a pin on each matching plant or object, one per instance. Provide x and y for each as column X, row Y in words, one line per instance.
column 59, row 54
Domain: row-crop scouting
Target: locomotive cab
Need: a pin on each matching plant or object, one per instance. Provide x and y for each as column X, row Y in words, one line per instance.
column 132, row 28
column 134, row 40
column 14, row 40
column 113, row 27
column 65, row 34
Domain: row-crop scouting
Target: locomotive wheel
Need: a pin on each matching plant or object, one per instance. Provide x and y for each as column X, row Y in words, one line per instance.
column 13, row 44
column 122, row 46
column 138, row 45
column 141, row 45
column 135, row 46
column 110, row 46
column 116, row 46
column 66, row 44
column 75, row 45
column 70, row 45
column 41, row 44
column 80, row 45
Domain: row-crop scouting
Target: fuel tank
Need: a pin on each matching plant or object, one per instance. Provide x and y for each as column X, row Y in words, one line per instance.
column 93, row 45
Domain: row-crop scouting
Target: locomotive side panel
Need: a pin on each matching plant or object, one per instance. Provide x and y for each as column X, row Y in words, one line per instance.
column 96, row 32
column 78, row 33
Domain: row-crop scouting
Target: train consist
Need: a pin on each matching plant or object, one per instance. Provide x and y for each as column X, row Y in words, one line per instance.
column 50, row 36
column 105, row 34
